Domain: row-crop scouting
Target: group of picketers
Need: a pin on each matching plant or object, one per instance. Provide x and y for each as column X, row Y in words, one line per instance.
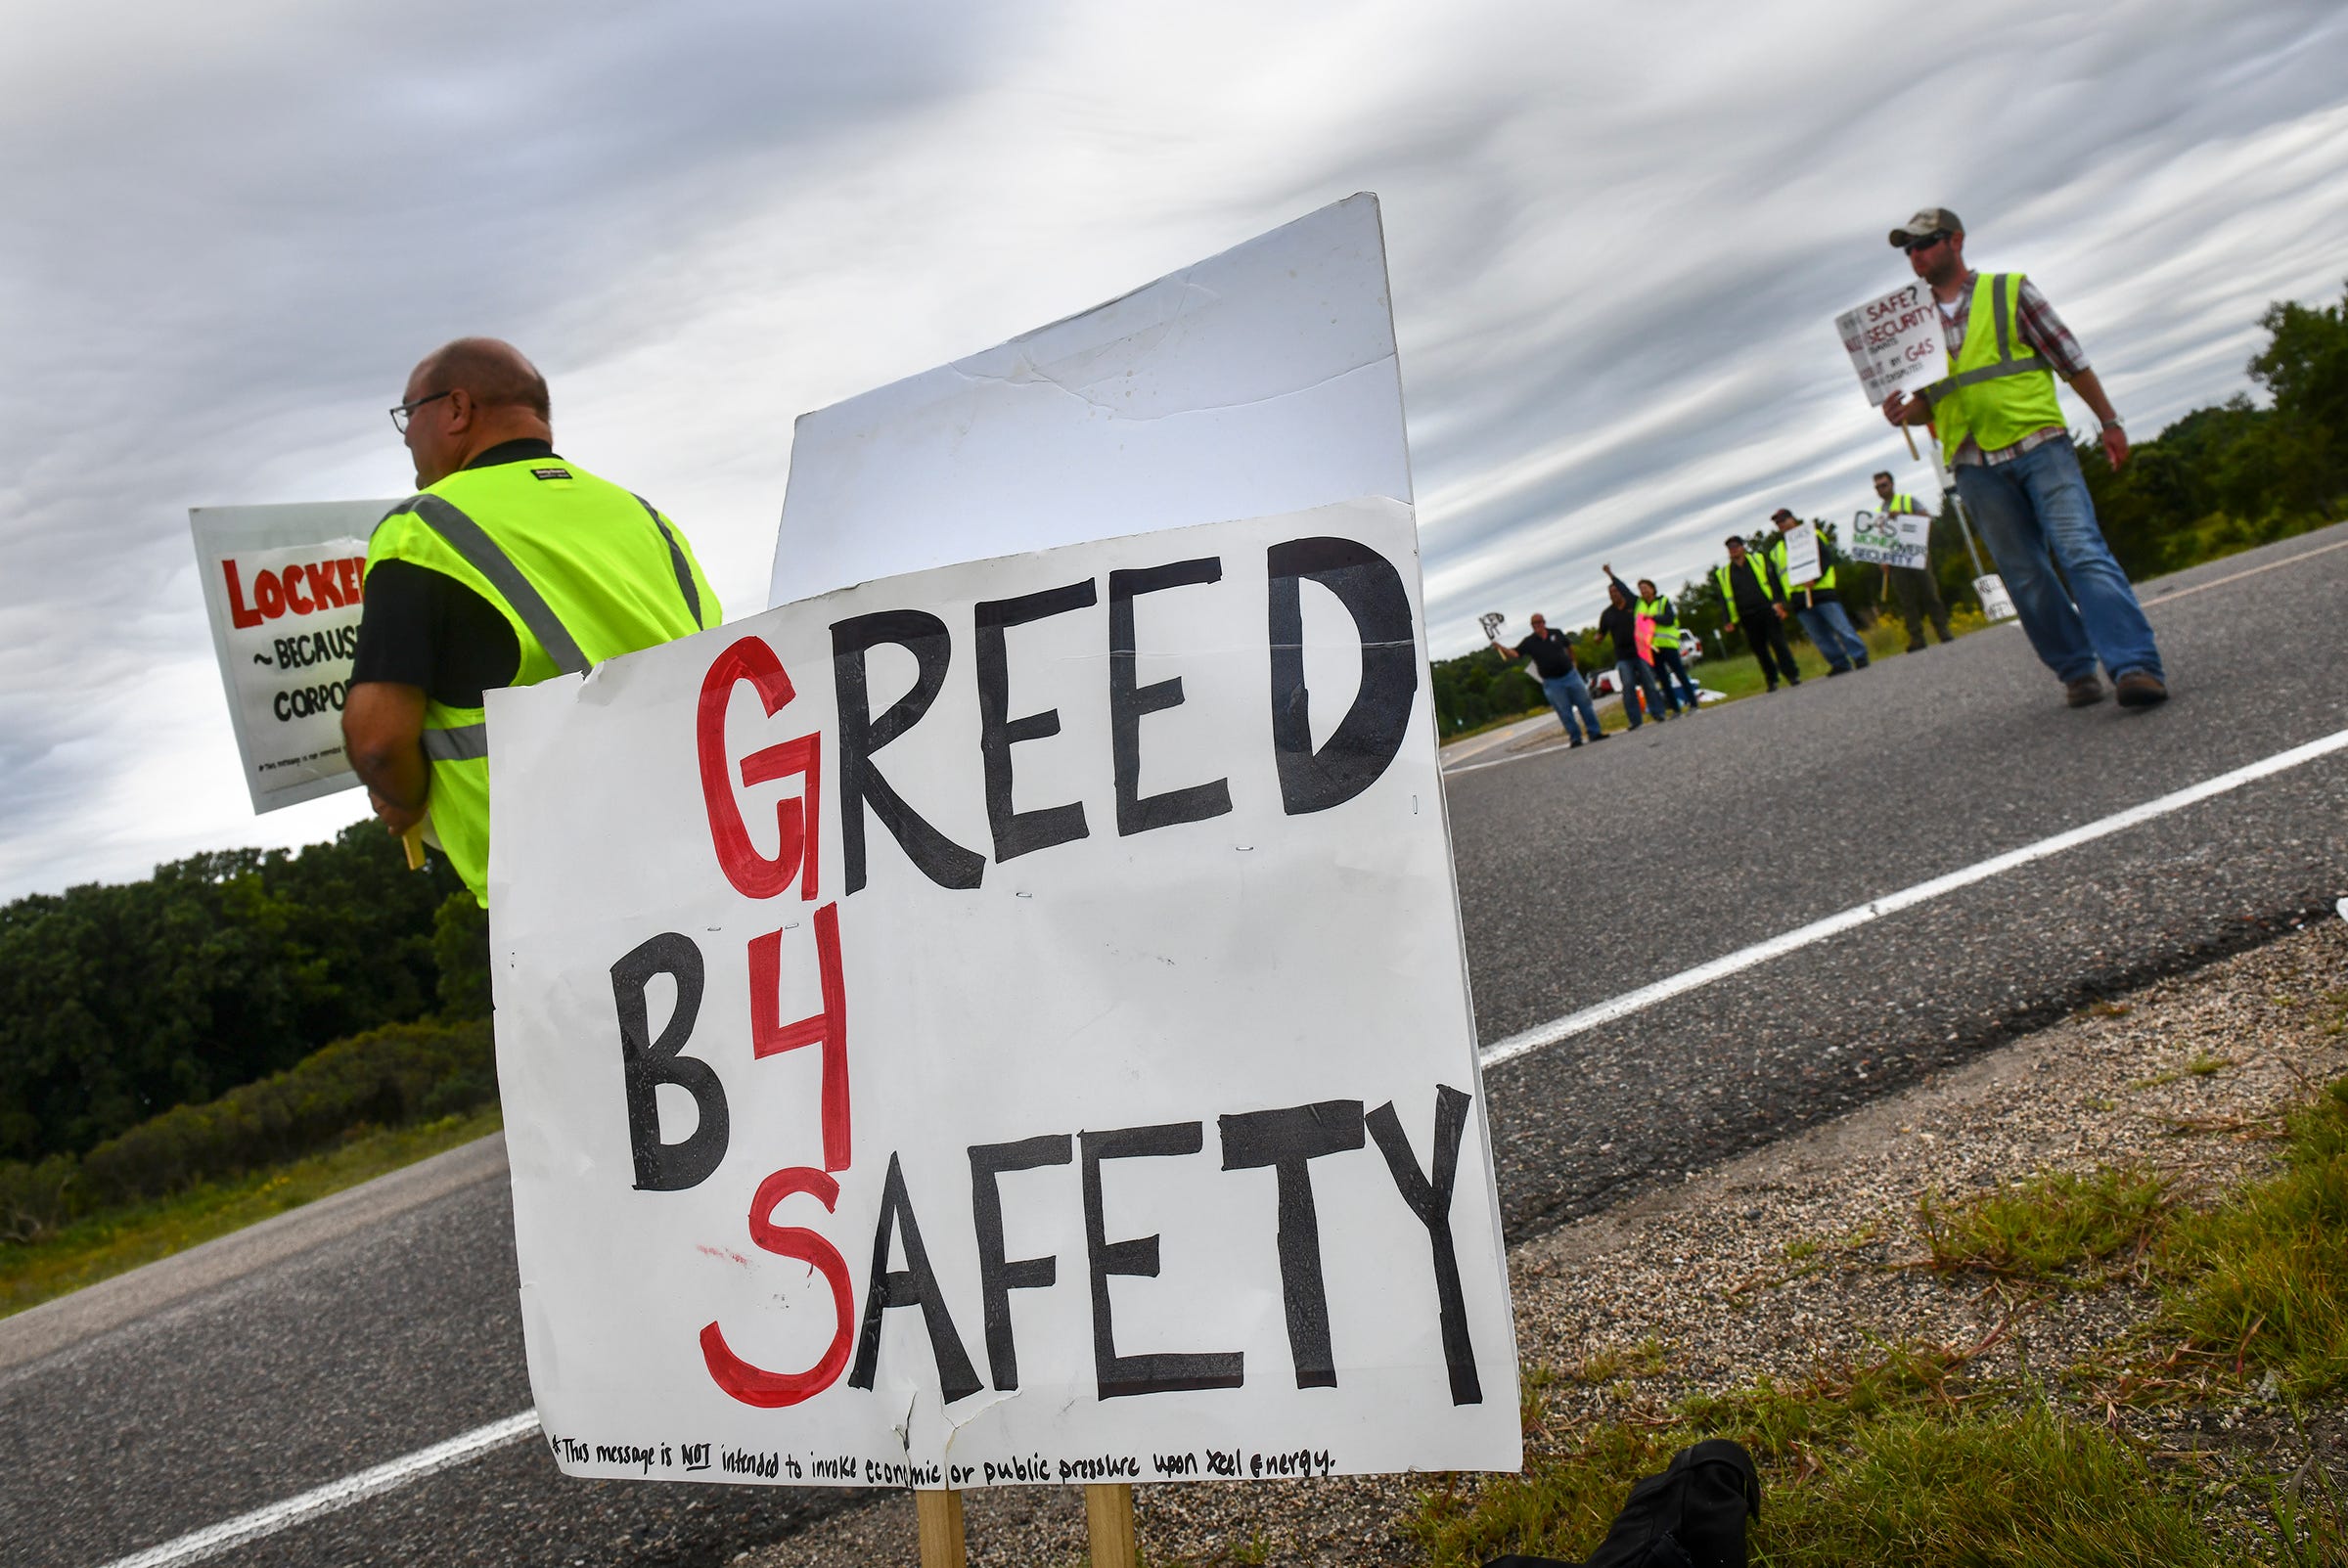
column 1643, row 626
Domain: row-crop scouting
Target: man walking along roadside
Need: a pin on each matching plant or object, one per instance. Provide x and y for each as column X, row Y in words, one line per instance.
column 2002, row 435
column 511, row 565
column 1913, row 587
column 1561, row 674
column 1663, row 641
column 1754, row 599
column 1817, row 604
column 1634, row 678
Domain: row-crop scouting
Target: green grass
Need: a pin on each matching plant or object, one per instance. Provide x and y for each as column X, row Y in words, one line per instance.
column 1915, row 1460
column 2263, row 1276
column 107, row 1244
column 1892, row 1462
column 2056, row 1227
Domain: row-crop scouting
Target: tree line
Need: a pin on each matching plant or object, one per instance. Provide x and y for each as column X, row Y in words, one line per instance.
column 119, row 1003
column 2221, row 479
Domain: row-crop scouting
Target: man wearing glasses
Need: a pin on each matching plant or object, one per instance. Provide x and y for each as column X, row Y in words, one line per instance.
column 2002, row 434
column 510, row 566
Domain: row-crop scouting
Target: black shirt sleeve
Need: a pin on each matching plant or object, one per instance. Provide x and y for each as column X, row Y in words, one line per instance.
column 424, row 628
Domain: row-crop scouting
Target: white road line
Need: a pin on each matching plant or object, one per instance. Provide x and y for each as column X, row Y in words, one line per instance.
column 335, row 1496
column 2249, row 571
column 1543, row 1036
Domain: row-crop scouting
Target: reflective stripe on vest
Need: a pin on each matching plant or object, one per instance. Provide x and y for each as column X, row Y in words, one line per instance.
column 676, row 559
column 460, row 742
column 482, row 552
column 1666, row 633
column 1997, row 395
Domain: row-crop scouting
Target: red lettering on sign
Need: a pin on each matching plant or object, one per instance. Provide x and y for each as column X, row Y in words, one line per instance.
column 796, row 819
column 294, row 599
column 269, row 593
column 238, row 615
column 323, row 587
column 354, row 571
column 770, row 1036
column 755, row 1385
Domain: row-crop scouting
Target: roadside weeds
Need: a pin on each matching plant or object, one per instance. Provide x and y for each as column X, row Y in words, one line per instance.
column 2084, row 1300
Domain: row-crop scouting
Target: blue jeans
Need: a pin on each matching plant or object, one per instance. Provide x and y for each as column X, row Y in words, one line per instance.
column 1632, row 675
column 1830, row 627
column 1567, row 694
column 2036, row 514
column 1668, row 665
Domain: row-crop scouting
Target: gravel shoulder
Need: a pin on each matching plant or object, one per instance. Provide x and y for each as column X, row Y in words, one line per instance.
column 1800, row 1252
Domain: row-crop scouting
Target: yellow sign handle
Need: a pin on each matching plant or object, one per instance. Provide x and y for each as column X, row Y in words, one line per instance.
column 413, row 842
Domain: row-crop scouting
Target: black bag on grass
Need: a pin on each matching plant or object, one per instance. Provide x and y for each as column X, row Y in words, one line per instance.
column 1690, row 1516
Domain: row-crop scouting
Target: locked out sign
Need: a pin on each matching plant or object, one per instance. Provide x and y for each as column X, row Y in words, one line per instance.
column 1005, row 1023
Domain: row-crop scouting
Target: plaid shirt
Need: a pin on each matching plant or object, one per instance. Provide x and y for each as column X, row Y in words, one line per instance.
column 2042, row 330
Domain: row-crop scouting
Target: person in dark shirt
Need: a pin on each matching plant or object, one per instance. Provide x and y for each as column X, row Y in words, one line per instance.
column 1755, row 599
column 1634, row 677
column 1552, row 661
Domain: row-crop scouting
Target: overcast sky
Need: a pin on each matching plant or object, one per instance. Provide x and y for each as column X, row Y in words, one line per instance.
column 1617, row 237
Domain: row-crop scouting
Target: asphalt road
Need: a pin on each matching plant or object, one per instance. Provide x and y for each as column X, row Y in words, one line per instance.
column 363, row 1333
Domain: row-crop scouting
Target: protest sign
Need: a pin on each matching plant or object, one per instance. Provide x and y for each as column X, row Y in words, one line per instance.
column 282, row 585
column 1260, row 381
column 1890, row 538
column 1894, row 342
column 1006, row 1023
column 1801, row 554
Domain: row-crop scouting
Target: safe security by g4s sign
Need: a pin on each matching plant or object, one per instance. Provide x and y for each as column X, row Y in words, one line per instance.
column 1893, row 340
column 1005, row 1023
column 282, row 585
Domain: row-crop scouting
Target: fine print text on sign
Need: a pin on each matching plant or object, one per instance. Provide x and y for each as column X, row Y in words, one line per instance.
column 282, row 585
column 1006, row 1023
column 1890, row 538
column 1893, row 340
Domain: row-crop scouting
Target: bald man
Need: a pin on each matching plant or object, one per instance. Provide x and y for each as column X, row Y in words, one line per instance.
column 510, row 566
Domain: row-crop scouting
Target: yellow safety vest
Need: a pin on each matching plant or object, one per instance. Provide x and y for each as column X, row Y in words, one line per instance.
column 581, row 569
column 1666, row 633
column 1998, row 388
column 1759, row 565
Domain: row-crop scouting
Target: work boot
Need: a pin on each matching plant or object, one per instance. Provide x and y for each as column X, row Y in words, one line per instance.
column 2140, row 689
column 2088, row 691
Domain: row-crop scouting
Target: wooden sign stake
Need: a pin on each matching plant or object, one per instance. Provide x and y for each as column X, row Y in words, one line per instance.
column 413, row 842
column 941, row 1516
column 1109, row 1520
column 1908, row 431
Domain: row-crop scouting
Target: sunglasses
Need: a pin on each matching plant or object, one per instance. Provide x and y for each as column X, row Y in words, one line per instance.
column 1925, row 243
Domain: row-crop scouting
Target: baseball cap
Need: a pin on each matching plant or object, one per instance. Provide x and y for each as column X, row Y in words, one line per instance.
column 1927, row 222
column 1781, row 514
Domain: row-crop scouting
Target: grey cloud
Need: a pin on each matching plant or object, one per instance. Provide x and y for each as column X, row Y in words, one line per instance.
column 233, row 233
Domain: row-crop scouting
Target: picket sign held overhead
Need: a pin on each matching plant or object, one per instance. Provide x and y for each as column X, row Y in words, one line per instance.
column 1005, row 1024
column 282, row 586
column 1890, row 538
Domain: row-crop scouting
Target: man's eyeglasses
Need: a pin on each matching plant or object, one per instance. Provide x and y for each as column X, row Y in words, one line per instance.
column 401, row 414
column 1925, row 243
